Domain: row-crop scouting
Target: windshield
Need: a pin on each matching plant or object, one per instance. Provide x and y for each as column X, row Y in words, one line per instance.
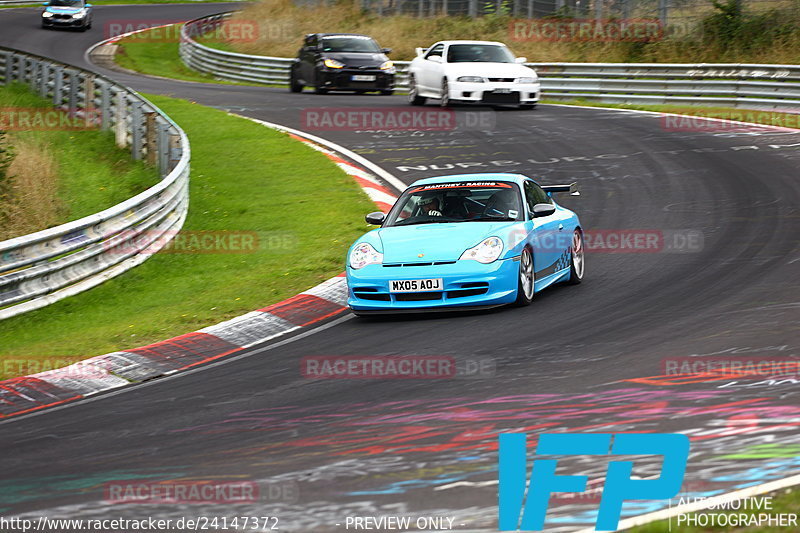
column 456, row 202
column 349, row 43
column 66, row 3
column 485, row 53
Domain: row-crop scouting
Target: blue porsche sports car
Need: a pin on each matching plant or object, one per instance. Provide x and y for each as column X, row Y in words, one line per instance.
column 465, row 241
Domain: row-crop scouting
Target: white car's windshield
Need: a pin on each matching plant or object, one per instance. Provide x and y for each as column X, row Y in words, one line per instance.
column 456, row 202
column 484, row 53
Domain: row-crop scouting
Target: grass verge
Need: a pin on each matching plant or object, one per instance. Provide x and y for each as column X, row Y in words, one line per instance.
column 155, row 52
column 245, row 178
column 785, row 502
column 61, row 175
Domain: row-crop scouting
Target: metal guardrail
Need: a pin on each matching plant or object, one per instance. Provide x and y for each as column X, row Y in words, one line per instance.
column 729, row 85
column 43, row 267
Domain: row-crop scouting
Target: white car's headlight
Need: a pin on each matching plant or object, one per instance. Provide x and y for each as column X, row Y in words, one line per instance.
column 486, row 252
column 527, row 80
column 471, row 79
column 364, row 254
column 47, row 14
column 388, row 66
column 332, row 63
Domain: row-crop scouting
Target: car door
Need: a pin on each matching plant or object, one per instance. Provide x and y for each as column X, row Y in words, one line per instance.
column 549, row 240
column 430, row 79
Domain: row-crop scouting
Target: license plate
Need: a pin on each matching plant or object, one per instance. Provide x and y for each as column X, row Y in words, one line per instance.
column 502, row 91
column 415, row 285
column 363, row 77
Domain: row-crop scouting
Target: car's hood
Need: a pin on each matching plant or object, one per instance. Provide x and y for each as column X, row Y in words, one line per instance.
column 358, row 59
column 63, row 10
column 490, row 70
column 437, row 242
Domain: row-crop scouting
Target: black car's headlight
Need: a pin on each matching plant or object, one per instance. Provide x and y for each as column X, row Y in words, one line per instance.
column 47, row 14
column 388, row 66
column 332, row 63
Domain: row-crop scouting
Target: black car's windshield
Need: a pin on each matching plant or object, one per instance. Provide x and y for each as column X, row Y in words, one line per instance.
column 66, row 3
column 486, row 53
column 456, row 202
column 349, row 43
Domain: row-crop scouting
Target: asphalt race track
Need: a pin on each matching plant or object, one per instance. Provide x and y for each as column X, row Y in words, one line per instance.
column 583, row 358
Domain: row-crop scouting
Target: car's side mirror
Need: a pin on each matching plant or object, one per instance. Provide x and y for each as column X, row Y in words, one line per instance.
column 376, row 218
column 386, row 51
column 543, row 210
column 435, row 59
column 521, row 59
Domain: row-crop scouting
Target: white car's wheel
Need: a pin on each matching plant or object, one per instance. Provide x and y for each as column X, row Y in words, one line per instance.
column 577, row 263
column 445, row 99
column 413, row 93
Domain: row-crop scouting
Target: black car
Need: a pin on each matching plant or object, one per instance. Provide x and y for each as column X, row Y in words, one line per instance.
column 342, row 61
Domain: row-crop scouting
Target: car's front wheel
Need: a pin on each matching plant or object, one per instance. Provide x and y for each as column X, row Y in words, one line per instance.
column 294, row 85
column 413, row 92
column 577, row 263
column 527, row 106
column 318, row 88
column 527, row 278
column 445, row 99
column 387, row 92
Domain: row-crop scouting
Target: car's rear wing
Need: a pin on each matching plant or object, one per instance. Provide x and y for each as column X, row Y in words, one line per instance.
column 572, row 188
column 421, row 51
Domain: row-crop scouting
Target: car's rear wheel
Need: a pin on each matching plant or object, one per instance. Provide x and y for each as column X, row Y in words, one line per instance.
column 413, row 92
column 294, row 85
column 577, row 263
column 445, row 99
column 527, row 278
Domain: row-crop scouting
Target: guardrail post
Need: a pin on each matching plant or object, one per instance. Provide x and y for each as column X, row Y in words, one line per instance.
column 163, row 146
column 44, row 78
column 58, row 85
column 473, row 8
column 105, row 106
column 174, row 150
column 150, row 137
column 121, row 132
column 8, row 65
column 73, row 91
column 136, row 130
column 88, row 93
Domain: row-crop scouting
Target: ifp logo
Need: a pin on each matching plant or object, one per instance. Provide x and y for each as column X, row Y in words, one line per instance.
column 618, row 484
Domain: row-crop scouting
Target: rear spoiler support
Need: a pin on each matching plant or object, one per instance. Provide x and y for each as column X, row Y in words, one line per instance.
column 572, row 188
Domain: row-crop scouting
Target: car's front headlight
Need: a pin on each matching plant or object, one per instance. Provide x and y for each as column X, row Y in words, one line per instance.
column 527, row 80
column 80, row 14
column 388, row 66
column 364, row 254
column 485, row 252
column 471, row 79
column 47, row 14
column 332, row 63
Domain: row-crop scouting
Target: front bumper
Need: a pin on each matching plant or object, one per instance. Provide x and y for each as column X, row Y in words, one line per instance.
column 495, row 92
column 64, row 22
column 466, row 284
column 343, row 79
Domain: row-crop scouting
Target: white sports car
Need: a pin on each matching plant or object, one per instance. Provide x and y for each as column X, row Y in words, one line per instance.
column 471, row 71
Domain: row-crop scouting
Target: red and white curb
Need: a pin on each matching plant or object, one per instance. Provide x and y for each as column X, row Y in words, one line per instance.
column 26, row 394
